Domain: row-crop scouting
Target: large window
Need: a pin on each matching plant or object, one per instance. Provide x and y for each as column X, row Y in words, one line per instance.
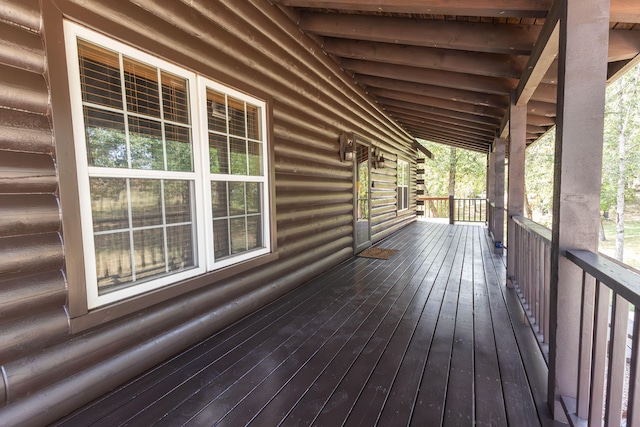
column 403, row 185
column 171, row 169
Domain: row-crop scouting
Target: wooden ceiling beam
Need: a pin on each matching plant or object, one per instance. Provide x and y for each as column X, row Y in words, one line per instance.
column 440, row 112
column 471, row 36
column 541, row 121
column 439, row 132
column 483, row 64
column 459, row 138
column 534, row 130
column 621, row 10
column 453, row 121
column 624, row 11
column 486, row 8
column 623, row 44
column 545, row 93
column 490, row 85
column 541, row 109
column 544, row 53
column 458, row 95
column 448, row 135
column 437, row 102
column 433, row 124
column 483, row 148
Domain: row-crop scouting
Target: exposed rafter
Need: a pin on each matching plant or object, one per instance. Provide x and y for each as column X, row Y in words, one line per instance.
column 457, row 95
column 519, row 8
column 469, row 36
column 483, row 64
column 447, row 69
column 440, row 103
column 461, row 81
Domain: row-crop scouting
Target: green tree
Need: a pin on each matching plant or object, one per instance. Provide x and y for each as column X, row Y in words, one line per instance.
column 470, row 171
column 622, row 127
column 539, row 178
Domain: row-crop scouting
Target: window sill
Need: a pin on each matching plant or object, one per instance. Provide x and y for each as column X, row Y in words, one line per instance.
column 114, row 311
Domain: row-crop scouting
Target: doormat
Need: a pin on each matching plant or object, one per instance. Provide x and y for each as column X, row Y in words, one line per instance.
column 378, row 253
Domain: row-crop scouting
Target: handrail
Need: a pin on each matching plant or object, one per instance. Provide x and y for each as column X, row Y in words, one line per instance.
column 432, row 198
column 533, row 227
column 619, row 279
column 608, row 289
column 462, row 209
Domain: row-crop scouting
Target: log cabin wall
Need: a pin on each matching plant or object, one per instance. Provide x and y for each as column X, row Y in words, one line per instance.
column 52, row 362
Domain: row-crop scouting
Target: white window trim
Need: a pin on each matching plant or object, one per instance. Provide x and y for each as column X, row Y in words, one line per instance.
column 203, row 85
column 402, row 166
column 202, row 210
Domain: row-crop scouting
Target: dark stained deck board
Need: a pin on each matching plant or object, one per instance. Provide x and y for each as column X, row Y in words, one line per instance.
column 490, row 410
column 336, row 392
column 366, row 408
column 401, row 399
column 423, row 338
column 460, row 401
column 430, row 403
column 336, row 351
column 169, row 376
column 195, row 395
column 242, row 360
column 271, row 323
column 158, row 379
column 519, row 403
column 335, row 334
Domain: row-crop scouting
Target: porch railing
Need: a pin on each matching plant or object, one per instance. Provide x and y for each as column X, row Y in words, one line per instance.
column 532, row 274
column 464, row 209
column 609, row 363
column 608, row 390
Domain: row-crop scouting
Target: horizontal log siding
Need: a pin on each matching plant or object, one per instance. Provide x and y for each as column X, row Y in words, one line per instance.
column 238, row 43
column 32, row 284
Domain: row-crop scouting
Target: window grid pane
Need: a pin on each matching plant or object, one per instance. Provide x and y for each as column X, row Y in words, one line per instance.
column 140, row 212
column 137, row 115
column 238, row 218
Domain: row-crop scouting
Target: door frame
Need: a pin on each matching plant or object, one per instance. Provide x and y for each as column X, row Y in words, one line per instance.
column 360, row 246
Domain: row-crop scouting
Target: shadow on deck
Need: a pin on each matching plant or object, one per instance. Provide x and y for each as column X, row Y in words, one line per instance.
column 429, row 337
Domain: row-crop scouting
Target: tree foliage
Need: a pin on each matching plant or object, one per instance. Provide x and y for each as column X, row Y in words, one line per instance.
column 539, row 178
column 470, row 171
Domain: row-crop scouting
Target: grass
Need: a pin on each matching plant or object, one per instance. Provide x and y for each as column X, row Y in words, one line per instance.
column 631, row 241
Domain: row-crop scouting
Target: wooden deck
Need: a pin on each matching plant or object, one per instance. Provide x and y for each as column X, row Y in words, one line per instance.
column 424, row 338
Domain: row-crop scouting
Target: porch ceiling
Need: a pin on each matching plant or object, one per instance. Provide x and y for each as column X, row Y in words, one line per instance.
column 445, row 70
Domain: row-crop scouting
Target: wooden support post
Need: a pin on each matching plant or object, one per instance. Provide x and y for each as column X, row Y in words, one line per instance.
column 515, row 200
column 452, row 209
column 491, row 190
column 582, row 74
column 498, row 217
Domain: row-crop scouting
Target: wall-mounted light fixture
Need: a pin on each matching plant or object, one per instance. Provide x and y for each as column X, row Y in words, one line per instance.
column 378, row 161
column 347, row 148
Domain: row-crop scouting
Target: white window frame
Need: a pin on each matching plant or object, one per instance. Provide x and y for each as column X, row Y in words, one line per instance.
column 403, row 202
column 203, row 85
column 201, row 177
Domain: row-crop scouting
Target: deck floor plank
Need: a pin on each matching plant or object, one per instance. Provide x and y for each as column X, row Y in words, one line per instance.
column 490, row 409
column 519, row 403
column 284, row 400
column 343, row 324
column 147, row 388
column 459, row 406
column 430, row 402
column 423, row 338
